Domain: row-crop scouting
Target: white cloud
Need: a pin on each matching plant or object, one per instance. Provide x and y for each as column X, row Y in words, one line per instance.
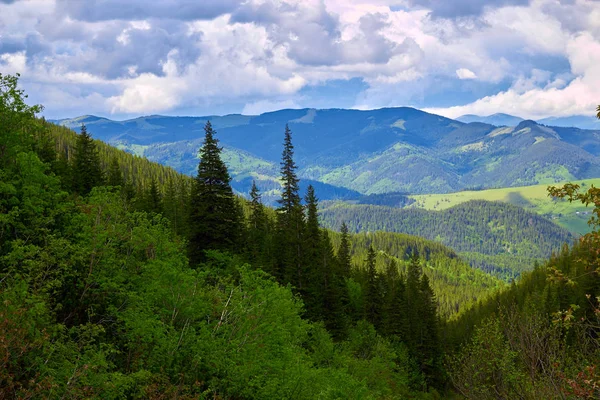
column 262, row 53
column 538, row 96
column 13, row 63
column 465, row 73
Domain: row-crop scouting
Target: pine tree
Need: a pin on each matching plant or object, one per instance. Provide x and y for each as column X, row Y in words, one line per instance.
column 397, row 311
column 153, row 198
column 413, row 305
column 344, row 251
column 87, row 170
column 429, row 346
column 334, row 290
column 391, row 283
column 214, row 217
column 259, row 242
column 290, row 220
column 115, row 176
column 314, row 274
column 373, row 301
column 290, row 199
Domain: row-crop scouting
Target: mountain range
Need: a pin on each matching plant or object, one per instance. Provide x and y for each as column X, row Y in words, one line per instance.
column 354, row 152
column 500, row 119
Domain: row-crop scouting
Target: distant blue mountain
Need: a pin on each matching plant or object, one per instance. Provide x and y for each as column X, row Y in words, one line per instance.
column 494, row 119
column 402, row 150
column 577, row 121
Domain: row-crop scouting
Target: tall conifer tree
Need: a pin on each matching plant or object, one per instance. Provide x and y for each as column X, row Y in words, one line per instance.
column 344, row 251
column 115, row 176
column 429, row 346
column 259, row 232
column 314, row 269
column 290, row 219
column 373, row 300
column 214, row 217
column 87, row 170
column 334, row 290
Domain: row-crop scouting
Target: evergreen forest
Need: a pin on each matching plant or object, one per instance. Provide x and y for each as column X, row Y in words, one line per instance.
column 123, row 279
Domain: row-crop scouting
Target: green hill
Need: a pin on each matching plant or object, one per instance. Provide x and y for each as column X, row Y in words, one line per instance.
column 572, row 216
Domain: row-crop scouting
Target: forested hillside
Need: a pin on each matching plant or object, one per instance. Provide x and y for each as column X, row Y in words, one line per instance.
column 539, row 339
column 499, row 238
column 115, row 284
column 105, row 293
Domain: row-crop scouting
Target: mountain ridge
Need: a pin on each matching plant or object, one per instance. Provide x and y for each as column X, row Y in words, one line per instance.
column 367, row 151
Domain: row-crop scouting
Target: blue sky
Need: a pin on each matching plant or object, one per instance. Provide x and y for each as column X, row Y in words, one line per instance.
column 119, row 59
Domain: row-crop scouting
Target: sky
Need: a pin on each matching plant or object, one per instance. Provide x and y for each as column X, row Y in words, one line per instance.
column 126, row 58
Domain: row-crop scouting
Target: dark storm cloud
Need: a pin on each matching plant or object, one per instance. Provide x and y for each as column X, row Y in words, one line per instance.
column 464, row 8
column 32, row 43
column 103, row 10
column 116, row 50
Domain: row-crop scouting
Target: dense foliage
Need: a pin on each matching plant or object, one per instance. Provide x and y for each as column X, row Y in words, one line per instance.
column 98, row 299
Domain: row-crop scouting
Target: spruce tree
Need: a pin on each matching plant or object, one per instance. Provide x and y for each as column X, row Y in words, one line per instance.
column 153, row 198
column 86, row 170
column 214, row 217
column 259, row 241
column 115, row 176
column 290, row 199
column 314, row 272
column 397, row 314
column 429, row 346
column 290, row 219
column 373, row 301
column 344, row 251
column 413, row 304
column 334, row 290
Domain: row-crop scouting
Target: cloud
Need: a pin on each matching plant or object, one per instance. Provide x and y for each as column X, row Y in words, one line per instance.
column 542, row 94
column 139, row 57
column 314, row 36
column 464, row 73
